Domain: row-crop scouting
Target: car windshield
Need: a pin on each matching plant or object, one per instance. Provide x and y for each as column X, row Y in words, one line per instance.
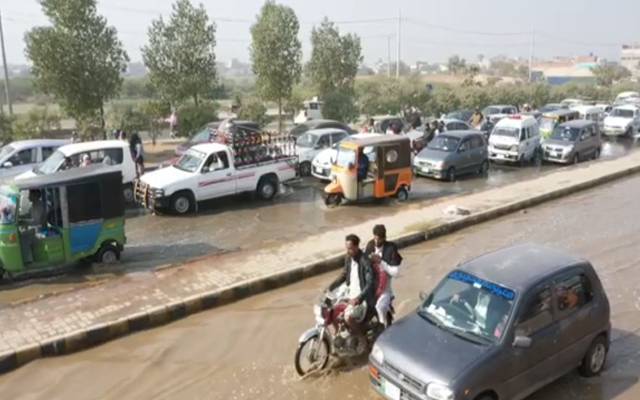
column 506, row 132
column 345, row 157
column 550, row 108
column 307, row 140
column 619, row 112
column 190, row 161
column 565, row 133
column 51, row 164
column 491, row 110
column 470, row 307
column 8, row 205
column 444, row 143
column 5, row 151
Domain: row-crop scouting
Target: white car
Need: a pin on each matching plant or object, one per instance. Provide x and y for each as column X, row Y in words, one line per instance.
column 515, row 139
column 321, row 164
column 627, row 97
column 313, row 142
column 115, row 155
column 622, row 120
column 21, row 156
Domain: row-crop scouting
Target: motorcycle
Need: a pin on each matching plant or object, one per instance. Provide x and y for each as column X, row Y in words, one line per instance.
column 332, row 336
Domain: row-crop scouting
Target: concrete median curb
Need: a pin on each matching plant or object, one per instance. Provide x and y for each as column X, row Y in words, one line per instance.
column 157, row 316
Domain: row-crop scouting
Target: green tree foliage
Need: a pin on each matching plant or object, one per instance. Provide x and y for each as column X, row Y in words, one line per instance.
column 457, row 65
column 607, row 75
column 6, row 128
column 180, row 54
column 78, row 58
column 253, row 109
column 192, row 117
column 340, row 106
column 334, row 59
column 36, row 123
column 276, row 54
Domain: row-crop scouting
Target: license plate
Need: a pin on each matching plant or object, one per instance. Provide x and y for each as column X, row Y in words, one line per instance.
column 318, row 170
column 391, row 390
column 426, row 170
column 556, row 155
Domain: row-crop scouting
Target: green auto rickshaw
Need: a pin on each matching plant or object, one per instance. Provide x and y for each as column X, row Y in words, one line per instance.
column 56, row 220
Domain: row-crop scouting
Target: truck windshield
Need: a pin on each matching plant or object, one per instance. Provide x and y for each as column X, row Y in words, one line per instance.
column 51, row 164
column 190, row 161
column 470, row 307
column 618, row 112
column 345, row 157
column 8, row 204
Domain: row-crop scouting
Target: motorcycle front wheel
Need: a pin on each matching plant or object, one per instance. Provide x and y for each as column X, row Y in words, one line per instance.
column 312, row 354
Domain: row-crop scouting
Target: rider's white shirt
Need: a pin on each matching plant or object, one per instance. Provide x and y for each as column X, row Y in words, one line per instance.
column 354, row 281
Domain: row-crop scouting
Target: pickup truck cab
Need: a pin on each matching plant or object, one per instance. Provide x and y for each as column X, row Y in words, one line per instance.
column 208, row 171
column 623, row 120
column 515, row 139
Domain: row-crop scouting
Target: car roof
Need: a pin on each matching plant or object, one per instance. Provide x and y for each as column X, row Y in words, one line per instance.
column 578, row 123
column 461, row 134
column 500, row 106
column 561, row 112
column 75, row 175
column 516, row 122
column 315, row 122
column 75, row 148
column 450, row 120
column 585, row 108
column 627, row 107
column 521, row 266
column 23, row 144
column 325, row 131
column 374, row 140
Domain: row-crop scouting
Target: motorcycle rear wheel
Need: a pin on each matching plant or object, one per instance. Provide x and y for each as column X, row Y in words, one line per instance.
column 318, row 355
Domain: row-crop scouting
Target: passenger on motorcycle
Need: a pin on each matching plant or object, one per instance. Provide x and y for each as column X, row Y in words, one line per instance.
column 360, row 280
column 385, row 256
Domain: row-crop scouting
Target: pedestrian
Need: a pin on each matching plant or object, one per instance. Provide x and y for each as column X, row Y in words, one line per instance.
column 441, row 128
column 122, row 135
column 477, row 119
column 74, row 137
column 137, row 153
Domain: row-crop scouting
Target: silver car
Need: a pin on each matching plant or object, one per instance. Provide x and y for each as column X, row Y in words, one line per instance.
column 452, row 154
column 498, row 327
column 572, row 142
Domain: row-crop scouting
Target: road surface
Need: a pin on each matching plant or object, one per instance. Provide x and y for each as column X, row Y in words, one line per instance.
column 245, row 350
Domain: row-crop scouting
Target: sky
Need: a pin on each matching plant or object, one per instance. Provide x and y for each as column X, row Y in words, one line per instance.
column 430, row 30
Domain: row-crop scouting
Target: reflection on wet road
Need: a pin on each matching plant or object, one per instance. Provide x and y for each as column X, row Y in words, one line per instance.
column 245, row 350
column 241, row 222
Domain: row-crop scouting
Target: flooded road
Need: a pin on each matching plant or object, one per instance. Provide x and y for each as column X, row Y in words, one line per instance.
column 241, row 222
column 245, row 350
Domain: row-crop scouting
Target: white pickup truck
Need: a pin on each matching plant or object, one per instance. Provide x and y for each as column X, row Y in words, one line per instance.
column 208, row 171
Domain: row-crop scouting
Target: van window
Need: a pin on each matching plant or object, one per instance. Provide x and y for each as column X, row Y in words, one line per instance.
column 102, row 156
column 523, row 134
column 47, row 151
column 572, row 293
column 536, row 314
column 28, row 156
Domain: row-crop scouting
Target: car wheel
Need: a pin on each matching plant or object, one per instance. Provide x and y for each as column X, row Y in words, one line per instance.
column 451, row 174
column 484, row 168
column 522, row 161
column 595, row 359
column 402, row 194
column 108, row 254
column 629, row 132
column 127, row 193
column 576, row 158
column 305, row 169
column 596, row 154
column 181, row 203
column 267, row 188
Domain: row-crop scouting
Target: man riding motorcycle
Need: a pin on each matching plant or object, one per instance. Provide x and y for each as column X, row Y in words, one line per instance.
column 360, row 280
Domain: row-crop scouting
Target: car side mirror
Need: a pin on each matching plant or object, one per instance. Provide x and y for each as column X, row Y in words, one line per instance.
column 522, row 342
column 8, row 164
column 423, row 295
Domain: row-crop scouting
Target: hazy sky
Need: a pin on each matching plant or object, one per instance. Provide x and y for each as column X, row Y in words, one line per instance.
column 432, row 30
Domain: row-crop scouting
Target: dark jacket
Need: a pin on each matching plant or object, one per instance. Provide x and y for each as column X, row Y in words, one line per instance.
column 366, row 275
column 390, row 253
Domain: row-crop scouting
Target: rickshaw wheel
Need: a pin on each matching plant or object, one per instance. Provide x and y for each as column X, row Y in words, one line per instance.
column 333, row 200
column 402, row 194
column 108, row 254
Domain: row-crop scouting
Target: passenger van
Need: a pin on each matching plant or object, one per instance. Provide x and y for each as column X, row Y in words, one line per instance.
column 550, row 120
column 114, row 155
column 515, row 139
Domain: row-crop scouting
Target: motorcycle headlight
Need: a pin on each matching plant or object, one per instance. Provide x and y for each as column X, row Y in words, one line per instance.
column 436, row 391
column 377, row 354
column 317, row 312
column 515, row 147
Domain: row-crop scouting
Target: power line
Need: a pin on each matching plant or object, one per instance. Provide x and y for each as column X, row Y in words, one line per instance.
column 425, row 24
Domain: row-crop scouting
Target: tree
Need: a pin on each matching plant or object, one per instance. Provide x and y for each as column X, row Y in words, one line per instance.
column 6, row 128
column 607, row 75
column 36, row 123
column 252, row 109
column 276, row 54
column 78, row 59
column 456, row 64
column 334, row 59
column 192, row 117
column 180, row 54
column 340, row 106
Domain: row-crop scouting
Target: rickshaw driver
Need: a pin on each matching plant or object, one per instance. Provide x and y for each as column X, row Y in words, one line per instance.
column 37, row 221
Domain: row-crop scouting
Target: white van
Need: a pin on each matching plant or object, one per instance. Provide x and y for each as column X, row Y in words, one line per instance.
column 515, row 139
column 115, row 155
column 312, row 110
column 20, row 156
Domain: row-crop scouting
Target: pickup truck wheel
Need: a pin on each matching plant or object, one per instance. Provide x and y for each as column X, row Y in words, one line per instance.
column 127, row 193
column 181, row 203
column 267, row 188
column 629, row 132
column 305, row 169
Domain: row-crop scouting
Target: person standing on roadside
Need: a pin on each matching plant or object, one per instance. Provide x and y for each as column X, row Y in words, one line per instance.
column 137, row 152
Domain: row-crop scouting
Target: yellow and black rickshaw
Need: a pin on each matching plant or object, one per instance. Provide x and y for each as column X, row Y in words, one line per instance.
column 371, row 168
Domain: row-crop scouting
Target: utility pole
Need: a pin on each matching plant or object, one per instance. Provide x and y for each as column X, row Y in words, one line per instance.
column 389, row 55
column 531, row 55
column 398, row 45
column 6, row 69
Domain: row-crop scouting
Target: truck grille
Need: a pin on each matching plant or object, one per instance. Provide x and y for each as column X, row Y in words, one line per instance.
column 502, row 147
column 142, row 193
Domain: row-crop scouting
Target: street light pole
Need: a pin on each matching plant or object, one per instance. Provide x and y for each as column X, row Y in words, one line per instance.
column 6, row 69
column 398, row 49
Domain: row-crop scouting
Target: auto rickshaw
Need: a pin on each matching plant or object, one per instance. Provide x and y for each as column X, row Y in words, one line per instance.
column 550, row 120
column 385, row 172
column 56, row 220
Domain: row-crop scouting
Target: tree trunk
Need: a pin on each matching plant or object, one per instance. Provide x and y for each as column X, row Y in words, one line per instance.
column 280, row 116
column 195, row 99
column 102, row 123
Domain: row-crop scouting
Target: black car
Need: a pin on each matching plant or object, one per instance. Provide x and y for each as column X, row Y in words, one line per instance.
column 300, row 129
